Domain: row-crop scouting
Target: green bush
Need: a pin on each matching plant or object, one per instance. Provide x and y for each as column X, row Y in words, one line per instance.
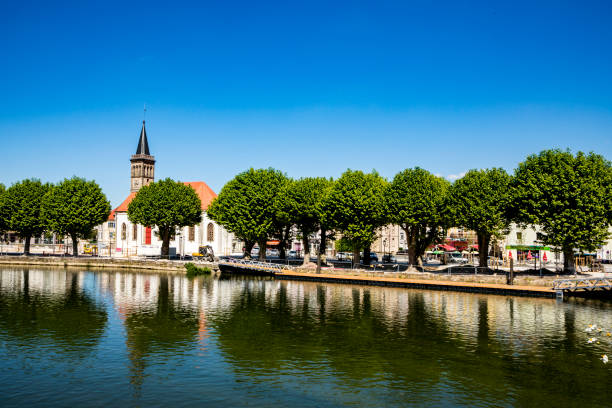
column 193, row 270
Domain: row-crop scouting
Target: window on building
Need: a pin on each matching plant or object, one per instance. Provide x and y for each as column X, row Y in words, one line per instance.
column 111, row 224
column 519, row 236
column 134, row 232
column 192, row 233
column 123, row 231
column 210, row 232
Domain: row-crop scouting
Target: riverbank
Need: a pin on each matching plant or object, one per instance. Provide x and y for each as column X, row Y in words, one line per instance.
column 105, row 263
column 494, row 284
column 484, row 285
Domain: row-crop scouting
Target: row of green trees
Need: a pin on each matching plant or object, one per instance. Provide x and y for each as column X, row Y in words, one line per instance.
column 72, row 207
column 567, row 197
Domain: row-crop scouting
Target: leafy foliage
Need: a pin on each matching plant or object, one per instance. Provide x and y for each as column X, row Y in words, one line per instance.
column 415, row 200
column 568, row 197
column 479, row 201
column 21, row 209
column 193, row 270
column 246, row 205
column 74, row 207
column 300, row 202
column 3, row 216
column 166, row 204
column 355, row 206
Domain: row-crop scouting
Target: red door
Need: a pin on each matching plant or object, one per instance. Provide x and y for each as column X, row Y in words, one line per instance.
column 148, row 236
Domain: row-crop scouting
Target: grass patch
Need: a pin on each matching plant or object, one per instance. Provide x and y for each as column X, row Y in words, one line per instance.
column 193, row 270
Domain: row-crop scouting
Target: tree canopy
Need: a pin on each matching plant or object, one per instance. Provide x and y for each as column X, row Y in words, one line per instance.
column 245, row 206
column 3, row 215
column 415, row 201
column 21, row 208
column 74, row 207
column 299, row 203
column 568, row 198
column 166, row 204
column 355, row 206
column 479, row 201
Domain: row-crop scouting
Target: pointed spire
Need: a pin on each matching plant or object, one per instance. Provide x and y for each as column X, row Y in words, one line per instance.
column 143, row 144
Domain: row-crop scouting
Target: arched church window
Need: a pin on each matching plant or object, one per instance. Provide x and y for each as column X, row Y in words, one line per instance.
column 192, row 233
column 210, row 232
column 134, row 232
column 123, row 231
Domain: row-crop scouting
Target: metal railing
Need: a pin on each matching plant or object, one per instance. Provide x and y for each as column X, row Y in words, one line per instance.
column 255, row 265
column 587, row 284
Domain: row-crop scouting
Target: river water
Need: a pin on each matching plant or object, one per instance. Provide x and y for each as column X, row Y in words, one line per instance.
column 82, row 338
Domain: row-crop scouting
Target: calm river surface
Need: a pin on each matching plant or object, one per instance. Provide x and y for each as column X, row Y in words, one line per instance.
column 81, row 338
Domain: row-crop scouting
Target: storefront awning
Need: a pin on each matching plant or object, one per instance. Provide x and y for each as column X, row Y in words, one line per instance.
column 447, row 248
column 528, row 247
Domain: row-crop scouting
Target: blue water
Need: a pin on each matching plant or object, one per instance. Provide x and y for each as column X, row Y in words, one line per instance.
column 83, row 338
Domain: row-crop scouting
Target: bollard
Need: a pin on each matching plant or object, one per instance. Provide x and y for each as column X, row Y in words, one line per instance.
column 511, row 273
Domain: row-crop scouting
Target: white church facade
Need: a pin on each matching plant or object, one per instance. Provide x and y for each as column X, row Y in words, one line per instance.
column 126, row 239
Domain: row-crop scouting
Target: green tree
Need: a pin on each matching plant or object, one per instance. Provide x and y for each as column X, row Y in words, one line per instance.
column 299, row 203
column 3, row 216
column 479, row 201
column 168, row 205
column 567, row 198
column 415, row 201
column 246, row 206
column 74, row 207
column 355, row 207
column 21, row 207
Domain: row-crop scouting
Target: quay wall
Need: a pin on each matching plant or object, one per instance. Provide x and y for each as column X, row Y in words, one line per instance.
column 94, row 262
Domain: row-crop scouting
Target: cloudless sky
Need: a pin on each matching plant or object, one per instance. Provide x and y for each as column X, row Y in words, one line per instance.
column 310, row 88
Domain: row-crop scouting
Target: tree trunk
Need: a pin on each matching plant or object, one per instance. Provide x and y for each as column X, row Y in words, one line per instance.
column 248, row 247
column 569, row 265
column 262, row 250
column 26, row 246
column 483, row 249
column 412, row 247
column 165, row 249
column 75, row 244
column 355, row 256
column 366, row 255
column 306, row 244
column 323, row 245
column 284, row 241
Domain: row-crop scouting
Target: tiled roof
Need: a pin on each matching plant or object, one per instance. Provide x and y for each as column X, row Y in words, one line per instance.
column 206, row 194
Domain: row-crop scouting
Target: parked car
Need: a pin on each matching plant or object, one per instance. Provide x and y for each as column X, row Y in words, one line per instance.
column 456, row 257
column 373, row 256
column 292, row 254
column 344, row 256
column 388, row 258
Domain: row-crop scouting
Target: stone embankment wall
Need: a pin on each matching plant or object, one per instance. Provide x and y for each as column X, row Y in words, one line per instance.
column 499, row 278
column 94, row 262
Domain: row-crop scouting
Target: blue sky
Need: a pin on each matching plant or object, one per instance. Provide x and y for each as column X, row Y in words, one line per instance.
column 310, row 88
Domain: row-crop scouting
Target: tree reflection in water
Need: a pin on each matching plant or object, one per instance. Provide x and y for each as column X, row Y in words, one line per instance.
column 66, row 319
column 362, row 345
column 158, row 332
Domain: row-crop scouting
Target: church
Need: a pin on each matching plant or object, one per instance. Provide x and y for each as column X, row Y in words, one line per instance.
column 122, row 238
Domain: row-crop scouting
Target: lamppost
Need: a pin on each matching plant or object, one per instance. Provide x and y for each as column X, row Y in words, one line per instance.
column 384, row 249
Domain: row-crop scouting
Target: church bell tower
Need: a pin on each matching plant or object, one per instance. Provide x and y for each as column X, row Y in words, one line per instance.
column 142, row 163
